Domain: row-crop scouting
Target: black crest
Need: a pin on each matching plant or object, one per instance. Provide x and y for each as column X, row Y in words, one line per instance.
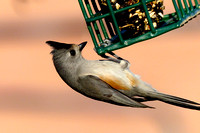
column 58, row 45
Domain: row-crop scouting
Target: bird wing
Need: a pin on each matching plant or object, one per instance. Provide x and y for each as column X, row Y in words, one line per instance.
column 96, row 88
column 119, row 80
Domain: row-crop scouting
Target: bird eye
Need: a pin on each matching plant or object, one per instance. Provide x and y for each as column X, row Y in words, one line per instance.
column 73, row 52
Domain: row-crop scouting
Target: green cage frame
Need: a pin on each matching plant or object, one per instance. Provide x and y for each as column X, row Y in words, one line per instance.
column 185, row 10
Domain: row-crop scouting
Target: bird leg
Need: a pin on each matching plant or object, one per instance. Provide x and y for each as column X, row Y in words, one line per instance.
column 116, row 58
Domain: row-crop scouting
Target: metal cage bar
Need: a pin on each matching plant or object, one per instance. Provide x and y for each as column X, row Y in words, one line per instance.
column 148, row 16
column 181, row 8
column 191, row 6
column 186, row 6
column 115, row 22
column 100, row 20
column 94, row 22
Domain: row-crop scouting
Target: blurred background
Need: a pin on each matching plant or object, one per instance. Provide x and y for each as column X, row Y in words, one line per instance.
column 33, row 98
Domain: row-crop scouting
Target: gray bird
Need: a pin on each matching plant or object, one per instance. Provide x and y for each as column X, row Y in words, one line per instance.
column 107, row 80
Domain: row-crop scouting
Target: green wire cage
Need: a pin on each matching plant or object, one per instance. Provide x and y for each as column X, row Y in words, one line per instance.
column 103, row 23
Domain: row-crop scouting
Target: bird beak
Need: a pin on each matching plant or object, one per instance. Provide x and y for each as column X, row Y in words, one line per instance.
column 82, row 45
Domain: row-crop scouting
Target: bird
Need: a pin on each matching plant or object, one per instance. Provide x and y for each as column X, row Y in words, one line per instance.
column 108, row 80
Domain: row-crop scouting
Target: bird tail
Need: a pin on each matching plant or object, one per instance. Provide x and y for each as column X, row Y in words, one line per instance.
column 177, row 101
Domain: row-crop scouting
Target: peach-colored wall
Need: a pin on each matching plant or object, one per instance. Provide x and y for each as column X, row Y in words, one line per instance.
column 33, row 98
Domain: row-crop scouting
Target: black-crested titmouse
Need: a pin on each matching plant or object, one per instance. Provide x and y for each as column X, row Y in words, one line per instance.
column 107, row 80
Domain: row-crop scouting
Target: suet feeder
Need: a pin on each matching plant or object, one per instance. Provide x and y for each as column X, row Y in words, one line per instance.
column 115, row 24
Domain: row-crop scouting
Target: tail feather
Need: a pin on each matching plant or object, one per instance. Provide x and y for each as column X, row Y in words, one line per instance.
column 177, row 101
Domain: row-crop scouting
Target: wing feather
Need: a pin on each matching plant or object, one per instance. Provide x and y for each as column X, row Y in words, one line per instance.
column 98, row 89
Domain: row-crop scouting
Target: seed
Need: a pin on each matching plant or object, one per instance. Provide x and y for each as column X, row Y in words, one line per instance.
column 134, row 20
column 113, row 1
column 154, row 24
column 160, row 14
column 147, row 27
column 117, row 5
column 131, row 15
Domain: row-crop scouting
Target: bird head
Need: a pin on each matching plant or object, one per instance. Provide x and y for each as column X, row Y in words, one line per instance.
column 66, row 51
